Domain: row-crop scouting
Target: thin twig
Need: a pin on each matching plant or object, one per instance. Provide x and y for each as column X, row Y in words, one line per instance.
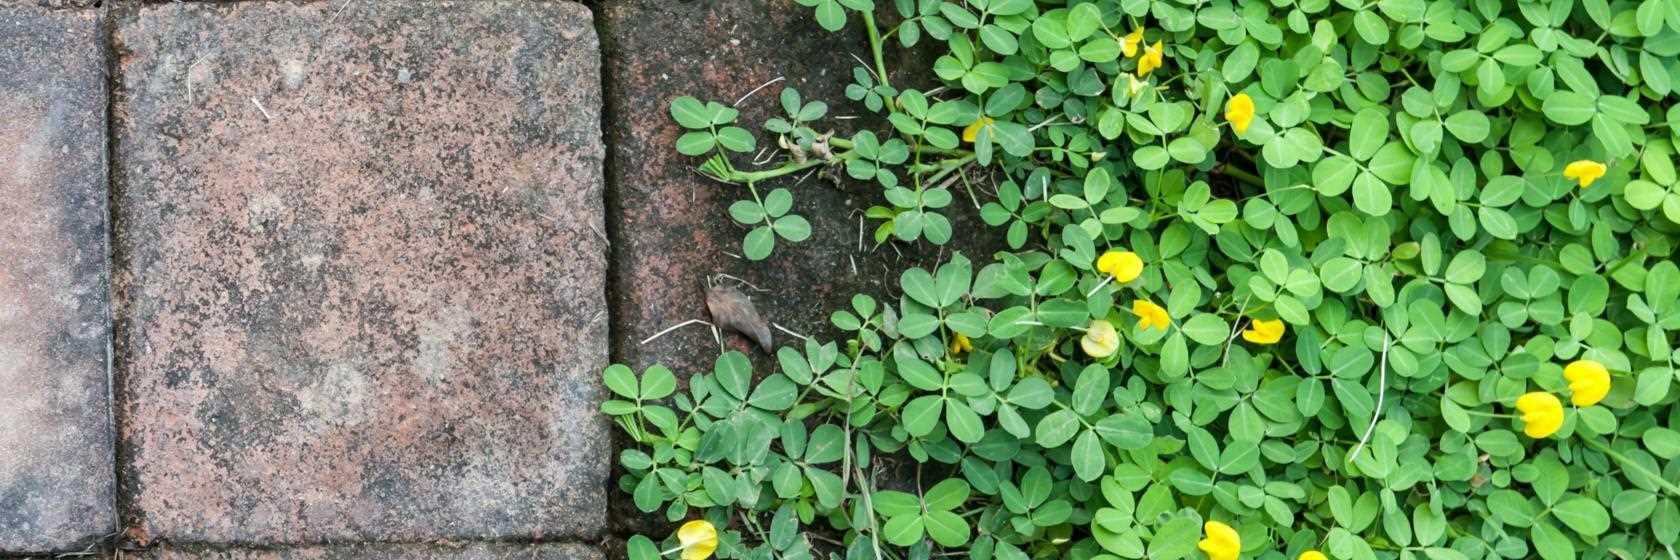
column 743, row 282
column 675, row 327
column 790, row 333
column 756, row 89
column 266, row 116
column 1382, row 387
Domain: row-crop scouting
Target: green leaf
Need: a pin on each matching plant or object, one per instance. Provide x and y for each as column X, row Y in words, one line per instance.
column 621, row 381
column 792, row 227
column 758, row 243
column 832, row 17
column 947, row 495
column 774, row 393
column 1087, row 455
column 657, row 383
column 691, row 113
column 1090, row 389
column 946, row 528
column 1569, row 108
column 1583, row 515
column 696, row 143
column 1206, row 329
column 1175, row 539
column 903, row 530
column 1056, row 429
column 918, row 285
column 922, row 414
column 736, row 139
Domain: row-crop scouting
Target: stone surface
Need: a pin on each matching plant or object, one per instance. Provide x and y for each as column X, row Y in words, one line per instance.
column 673, row 228
column 358, row 271
column 56, row 477
column 56, row 4
column 472, row 551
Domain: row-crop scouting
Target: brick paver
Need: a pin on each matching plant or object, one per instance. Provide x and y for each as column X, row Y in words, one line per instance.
column 472, row 551
column 56, row 477
column 359, row 271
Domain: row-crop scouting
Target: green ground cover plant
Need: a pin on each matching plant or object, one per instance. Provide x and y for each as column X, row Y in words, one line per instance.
column 1286, row 279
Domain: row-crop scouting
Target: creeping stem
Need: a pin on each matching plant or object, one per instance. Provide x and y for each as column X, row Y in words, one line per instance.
column 875, row 46
column 1629, row 464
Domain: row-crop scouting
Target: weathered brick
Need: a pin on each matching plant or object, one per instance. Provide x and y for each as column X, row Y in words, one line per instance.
column 56, row 477
column 470, row 551
column 359, row 270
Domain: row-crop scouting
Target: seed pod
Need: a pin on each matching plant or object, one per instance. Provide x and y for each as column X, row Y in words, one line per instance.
column 733, row 310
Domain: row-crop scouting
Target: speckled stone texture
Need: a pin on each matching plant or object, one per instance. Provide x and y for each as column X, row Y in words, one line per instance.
column 358, row 271
column 474, row 551
column 55, row 4
column 57, row 489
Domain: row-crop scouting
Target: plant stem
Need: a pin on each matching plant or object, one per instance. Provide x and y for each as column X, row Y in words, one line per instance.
column 875, row 46
column 1243, row 176
column 1629, row 464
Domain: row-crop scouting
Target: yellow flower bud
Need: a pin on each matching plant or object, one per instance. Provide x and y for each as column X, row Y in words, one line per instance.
column 1312, row 555
column 972, row 131
column 1152, row 58
column 1261, row 331
column 1589, row 382
column 1100, row 341
column 1584, row 171
column 960, row 344
column 1222, row 542
column 1542, row 414
column 1240, row 112
column 1129, row 43
column 1124, row 266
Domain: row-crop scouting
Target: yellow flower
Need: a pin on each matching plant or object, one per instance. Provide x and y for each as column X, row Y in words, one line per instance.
column 698, row 538
column 972, row 131
column 961, row 344
column 1542, row 414
column 1222, row 542
column 1261, row 331
column 1588, row 382
column 1240, row 111
column 1150, row 315
column 1124, row 266
column 1150, row 60
column 1129, row 43
column 1312, row 555
column 1100, row 340
column 1585, row 171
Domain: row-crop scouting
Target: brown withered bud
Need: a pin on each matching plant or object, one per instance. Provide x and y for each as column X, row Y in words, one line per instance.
column 733, row 310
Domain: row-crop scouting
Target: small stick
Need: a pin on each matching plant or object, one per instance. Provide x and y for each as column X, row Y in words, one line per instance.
column 756, row 89
column 1105, row 282
column 743, row 282
column 860, row 240
column 266, row 116
column 1382, row 387
column 678, row 326
column 790, row 333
